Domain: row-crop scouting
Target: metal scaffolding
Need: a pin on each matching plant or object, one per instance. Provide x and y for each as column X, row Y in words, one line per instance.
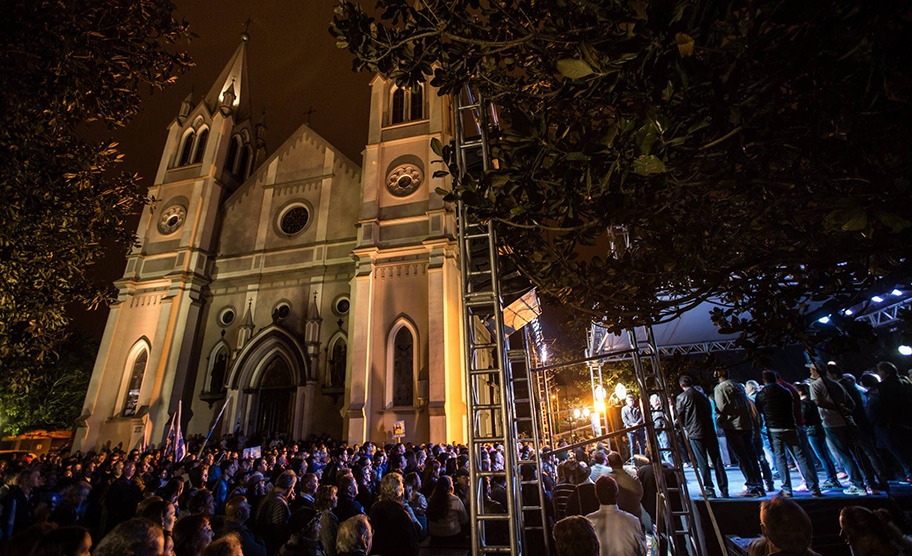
column 500, row 396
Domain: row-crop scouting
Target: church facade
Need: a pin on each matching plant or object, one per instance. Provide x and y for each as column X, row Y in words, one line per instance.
column 293, row 293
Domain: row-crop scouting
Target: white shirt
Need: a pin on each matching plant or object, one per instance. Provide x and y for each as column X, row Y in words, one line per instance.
column 619, row 533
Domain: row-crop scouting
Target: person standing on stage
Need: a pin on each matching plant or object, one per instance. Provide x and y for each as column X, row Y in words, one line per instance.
column 632, row 416
column 734, row 418
column 775, row 403
column 695, row 415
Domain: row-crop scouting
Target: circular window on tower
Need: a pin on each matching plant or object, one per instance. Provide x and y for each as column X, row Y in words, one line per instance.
column 293, row 219
column 404, row 180
column 342, row 305
column 226, row 316
column 171, row 219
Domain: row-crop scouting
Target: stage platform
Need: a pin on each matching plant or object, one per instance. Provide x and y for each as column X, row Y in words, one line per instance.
column 741, row 516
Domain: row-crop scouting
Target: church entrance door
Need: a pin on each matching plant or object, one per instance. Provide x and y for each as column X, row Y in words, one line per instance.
column 276, row 398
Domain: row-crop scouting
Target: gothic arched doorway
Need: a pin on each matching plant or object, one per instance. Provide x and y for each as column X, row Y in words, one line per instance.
column 275, row 404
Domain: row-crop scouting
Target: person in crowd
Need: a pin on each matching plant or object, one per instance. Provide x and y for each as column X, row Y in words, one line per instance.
column 872, row 532
column 583, row 499
column 566, row 475
column 775, row 403
column 734, row 418
column 872, row 466
column 309, row 484
column 237, row 512
column 760, row 437
column 133, row 537
column 817, row 437
column 619, row 533
column 599, row 465
column 890, row 415
column 324, row 502
column 160, row 511
column 192, row 534
column 415, row 500
column 19, row 502
column 348, row 505
column 305, row 542
column 446, row 515
column 695, row 415
column 835, row 408
column 273, row 514
column 71, row 510
column 229, row 545
column 632, row 416
column 395, row 532
column 786, row 529
column 661, row 427
column 223, row 485
column 630, row 490
column 64, row 541
column 355, row 537
column 123, row 494
column 575, row 536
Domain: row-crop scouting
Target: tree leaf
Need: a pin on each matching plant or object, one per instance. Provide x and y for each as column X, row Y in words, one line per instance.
column 685, row 44
column 574, row 68
column 648, row 165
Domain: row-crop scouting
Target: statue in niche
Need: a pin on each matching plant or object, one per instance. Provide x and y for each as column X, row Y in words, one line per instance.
column 217, row 381
column 337, row 365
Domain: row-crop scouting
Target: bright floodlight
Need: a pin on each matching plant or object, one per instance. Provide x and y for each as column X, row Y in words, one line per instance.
column 600, row 393
column 877, row 299
column 905, row 350
column 577, row 413
column 620, row 391
column 848, row 312
column 544, row 355
column 897, row 293
column 823, row 320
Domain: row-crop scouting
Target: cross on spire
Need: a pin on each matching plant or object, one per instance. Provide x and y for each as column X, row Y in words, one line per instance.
column 310, row 110
column 245, row 35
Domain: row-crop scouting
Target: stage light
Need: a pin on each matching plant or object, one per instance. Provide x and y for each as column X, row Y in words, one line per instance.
column 877, row 299
column 905, row 350
column 620, row 391
column 577, row 413
column 896, row 293
column 848, row 312
column 823, row 320
column 600, row 393
column 587, row 412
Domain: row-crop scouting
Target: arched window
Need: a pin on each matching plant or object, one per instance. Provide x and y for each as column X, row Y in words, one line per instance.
column 416, row 106
column 201, row 146
column 243, row 170
column 398, row 106
column 219, row 368
column 234, row 150
column 138, row 371
column 337, row 361
column 403, row 368
column 186, row 149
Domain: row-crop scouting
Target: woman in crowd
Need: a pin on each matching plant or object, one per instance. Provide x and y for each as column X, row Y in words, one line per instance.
column 446, row 515
column 872, row 533
column 192, row 534
column 324, row 502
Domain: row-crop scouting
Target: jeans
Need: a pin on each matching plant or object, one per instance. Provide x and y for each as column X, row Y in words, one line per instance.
column 664, row 447
column 708, row 449
column 765, row 470
column 898, row 441
column 742, row 444
column 637, row 442
column 779, row 441
column 840, row 438
column 819, row 445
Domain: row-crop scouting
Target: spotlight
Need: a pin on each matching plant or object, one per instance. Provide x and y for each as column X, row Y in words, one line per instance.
column 877, row 299
column 823, row 320
column 905, row 350
column 896, row 293
column 848, row 312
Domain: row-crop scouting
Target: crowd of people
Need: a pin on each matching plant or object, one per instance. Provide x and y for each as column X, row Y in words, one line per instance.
column 323, row 497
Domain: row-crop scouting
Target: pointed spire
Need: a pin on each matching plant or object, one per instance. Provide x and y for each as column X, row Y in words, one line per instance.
column 312, row 326
column 261, row 153
column 246, row 329
column 233, row 79
column 186, row 107
column 313, row 312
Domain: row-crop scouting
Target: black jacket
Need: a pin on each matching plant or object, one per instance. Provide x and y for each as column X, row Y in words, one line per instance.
column 394, row 530
column 347, row 507
column 695, row 414
column 776, row 404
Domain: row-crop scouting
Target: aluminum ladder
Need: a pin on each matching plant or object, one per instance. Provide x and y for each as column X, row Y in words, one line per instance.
column 494, row 408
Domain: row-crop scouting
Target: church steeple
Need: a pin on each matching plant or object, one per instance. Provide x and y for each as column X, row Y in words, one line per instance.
column 233, row 81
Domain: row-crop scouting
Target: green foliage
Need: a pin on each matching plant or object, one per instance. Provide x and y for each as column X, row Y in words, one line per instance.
column 52, row 399
column 71, row 70
column 754, row 153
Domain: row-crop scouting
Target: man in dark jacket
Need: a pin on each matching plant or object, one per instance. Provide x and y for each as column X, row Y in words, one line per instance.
column 695, row 415
column 394, row 530
column 776, row 404
column 889, row 411
column 734, row 418
column 237, row 511
column 348, row 507
column 273, row 514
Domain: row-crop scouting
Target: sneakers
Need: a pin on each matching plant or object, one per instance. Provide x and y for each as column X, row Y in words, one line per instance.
column 786, row 493
column 830, row 485
column 770, row 487
column 842, row 475
column 816, row 494
column 803, row 487
column 711, row 492
column 855, row 491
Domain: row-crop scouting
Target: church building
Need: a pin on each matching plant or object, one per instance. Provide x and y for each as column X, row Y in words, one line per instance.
column 299, row 292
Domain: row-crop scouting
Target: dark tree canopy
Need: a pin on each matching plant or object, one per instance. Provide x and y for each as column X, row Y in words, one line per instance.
column 71, row 71
column 754, row 153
